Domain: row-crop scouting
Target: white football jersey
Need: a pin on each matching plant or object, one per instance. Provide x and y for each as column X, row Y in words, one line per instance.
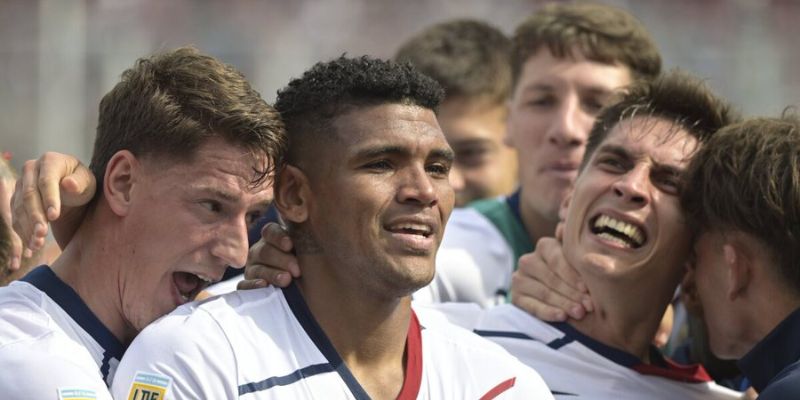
column 265, row 344
column 576, row 366
column 479, row 253
column 51, row 345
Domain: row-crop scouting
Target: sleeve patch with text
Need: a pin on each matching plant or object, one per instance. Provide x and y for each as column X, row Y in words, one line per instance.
column 149, row 386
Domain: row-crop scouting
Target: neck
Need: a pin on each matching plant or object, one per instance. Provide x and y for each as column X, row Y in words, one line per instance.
column 622, row 319
column 372, row 343
column 93, row 273
column 536, row 224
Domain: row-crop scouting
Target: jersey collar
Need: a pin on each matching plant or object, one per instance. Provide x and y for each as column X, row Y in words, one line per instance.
column 413, row 368
column 44, row 279
column 776, row 351
column 659, row 365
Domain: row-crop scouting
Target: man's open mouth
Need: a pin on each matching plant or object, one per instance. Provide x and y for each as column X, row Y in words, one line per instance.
column 189, row 284
column 617, row 231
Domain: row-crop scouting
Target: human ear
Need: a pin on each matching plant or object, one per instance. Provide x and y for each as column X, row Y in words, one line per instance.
column 292, row 194
column 119, row 181
column 739, row 266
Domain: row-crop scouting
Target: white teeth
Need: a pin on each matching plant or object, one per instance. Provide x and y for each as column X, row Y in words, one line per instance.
column 612, row 238
column 423, row 229
column 185, row 297
column 204, row 278
column 631, row 231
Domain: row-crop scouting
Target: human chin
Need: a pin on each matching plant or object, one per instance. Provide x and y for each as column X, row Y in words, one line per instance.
column 413, row 275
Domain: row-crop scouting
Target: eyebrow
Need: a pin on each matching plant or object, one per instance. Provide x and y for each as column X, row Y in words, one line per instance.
column 219, row 193
column 375, row 152
column 546, row 87
column 622, row 152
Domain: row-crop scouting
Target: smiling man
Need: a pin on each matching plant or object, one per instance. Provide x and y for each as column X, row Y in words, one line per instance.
column 365, row 194
column 625, row 235
column 183, row 153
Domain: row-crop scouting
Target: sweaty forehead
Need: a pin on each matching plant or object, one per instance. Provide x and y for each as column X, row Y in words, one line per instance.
column 387, row 122
column 217, row 161
column 543, row 71
column 655, row 138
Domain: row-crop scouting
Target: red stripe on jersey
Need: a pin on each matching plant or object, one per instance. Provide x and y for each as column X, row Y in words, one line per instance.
column 413, row 378
column 694, row 373
column 497, row 390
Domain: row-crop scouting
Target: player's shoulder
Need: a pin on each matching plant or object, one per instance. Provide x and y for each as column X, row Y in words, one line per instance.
column 197, row 319
column 23, row 314
column 449, row 326
column 480, row 360
column 69, row 369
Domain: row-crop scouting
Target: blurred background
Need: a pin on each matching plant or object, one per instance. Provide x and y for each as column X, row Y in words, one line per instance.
column 58, row 57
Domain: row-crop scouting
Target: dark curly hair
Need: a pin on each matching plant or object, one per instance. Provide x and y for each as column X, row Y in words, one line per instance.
column 329, row 89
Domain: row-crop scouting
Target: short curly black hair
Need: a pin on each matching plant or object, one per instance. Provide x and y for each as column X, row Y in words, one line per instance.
column 309, row 104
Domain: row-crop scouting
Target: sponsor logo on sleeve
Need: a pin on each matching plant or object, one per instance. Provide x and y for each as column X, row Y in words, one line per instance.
column 149, row 386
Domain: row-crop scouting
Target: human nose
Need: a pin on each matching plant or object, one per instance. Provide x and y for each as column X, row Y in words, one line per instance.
column 417, row 187
column 632, row 186
column 571, row 124
column 231, row 244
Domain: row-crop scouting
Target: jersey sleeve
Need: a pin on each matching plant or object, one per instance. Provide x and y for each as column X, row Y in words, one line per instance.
column 32, row 372
column 178, row 357
column 529, row 384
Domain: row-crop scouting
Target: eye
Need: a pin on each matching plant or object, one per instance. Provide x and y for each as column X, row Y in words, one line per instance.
column 669, row 183
column 593, row 105
column 438, row 169
column 472, row 156
column 212, row 205
column 378, row 166
column 252, row 217
column 541, row 101
column 611, row 164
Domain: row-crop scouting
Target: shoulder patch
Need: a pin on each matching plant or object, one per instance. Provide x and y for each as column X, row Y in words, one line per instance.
column 76, row 394
column 149, row 386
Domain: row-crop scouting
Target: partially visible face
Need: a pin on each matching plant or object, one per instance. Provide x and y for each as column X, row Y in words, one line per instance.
column 187, row 223
column 381, row 197
column 709, row 273
column 552, row 110
column 624, row 219
column 475, row 130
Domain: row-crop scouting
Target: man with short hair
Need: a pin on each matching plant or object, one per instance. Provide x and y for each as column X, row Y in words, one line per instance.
column 471, row 60
column 742, row 201
column 365, row 194
column 625, row 235
column 183, row 153
column 567, row 61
